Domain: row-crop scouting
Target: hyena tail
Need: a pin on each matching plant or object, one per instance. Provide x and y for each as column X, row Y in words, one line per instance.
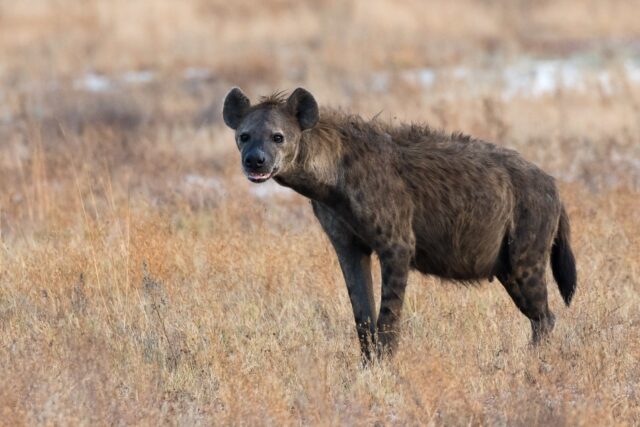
column 563, row 263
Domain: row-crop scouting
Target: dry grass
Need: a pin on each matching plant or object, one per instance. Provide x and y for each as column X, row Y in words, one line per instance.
column 143, row 281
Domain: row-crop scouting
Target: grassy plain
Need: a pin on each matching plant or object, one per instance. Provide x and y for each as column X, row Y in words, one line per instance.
column 143, row 280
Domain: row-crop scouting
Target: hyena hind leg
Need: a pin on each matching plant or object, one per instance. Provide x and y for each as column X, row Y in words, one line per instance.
column 528, row 289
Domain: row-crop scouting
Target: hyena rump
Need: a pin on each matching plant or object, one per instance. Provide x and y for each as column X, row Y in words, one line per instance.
column 446, row 205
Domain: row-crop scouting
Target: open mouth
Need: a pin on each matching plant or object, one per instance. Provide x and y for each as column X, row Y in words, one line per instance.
column 259, row 176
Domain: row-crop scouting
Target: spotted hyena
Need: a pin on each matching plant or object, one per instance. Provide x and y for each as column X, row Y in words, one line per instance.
column 446, row 205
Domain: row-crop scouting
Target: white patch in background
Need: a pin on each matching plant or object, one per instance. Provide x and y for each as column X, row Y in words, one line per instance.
column 138, row 77
column 93, row 82
column 380, row 82
column 270, row 189
column 527, row 77
column 425, row 77
column 195, row 73
column 605, row 83
column 544, row 77
column 632, row 69
column 100, row 83
column 461, row 73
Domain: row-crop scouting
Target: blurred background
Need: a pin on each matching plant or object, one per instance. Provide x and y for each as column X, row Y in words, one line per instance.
column 144, row 279
column 564, row 74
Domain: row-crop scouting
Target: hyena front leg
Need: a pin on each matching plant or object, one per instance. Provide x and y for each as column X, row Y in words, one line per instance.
column 355, row 261
column 395, row 263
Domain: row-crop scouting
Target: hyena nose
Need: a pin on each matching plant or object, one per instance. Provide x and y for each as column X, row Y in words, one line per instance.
column 254, row 159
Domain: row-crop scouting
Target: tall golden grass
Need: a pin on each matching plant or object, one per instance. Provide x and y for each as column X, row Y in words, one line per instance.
column 144, row 281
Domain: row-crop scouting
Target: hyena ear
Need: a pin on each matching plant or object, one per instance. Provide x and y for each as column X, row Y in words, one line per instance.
column 236, row 105
column 303, row 105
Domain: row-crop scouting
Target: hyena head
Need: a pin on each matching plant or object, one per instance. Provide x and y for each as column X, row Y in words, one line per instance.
column 268, row 134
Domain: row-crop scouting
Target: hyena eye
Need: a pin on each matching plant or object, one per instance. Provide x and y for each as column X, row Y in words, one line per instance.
column 277, row 138
column 244, row 137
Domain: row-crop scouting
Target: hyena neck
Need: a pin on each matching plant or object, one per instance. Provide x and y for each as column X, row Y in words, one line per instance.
column 314, row 172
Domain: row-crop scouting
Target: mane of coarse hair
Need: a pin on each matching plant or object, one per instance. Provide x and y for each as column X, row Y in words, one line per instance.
column 413, row 134
column 275, row 99
column 355, row 127
column 321, row 148
column 350, row 124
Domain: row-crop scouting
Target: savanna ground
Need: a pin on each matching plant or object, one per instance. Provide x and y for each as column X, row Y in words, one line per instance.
column 144, row 280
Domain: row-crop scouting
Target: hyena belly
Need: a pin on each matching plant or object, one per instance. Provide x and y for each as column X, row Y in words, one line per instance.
column 460, row 238
column 448, row 259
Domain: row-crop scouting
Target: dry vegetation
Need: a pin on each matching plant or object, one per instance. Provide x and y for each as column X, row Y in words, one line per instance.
column 143, row 280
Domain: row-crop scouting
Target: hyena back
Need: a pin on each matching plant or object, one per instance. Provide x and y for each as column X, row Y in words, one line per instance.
column 445, row 205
